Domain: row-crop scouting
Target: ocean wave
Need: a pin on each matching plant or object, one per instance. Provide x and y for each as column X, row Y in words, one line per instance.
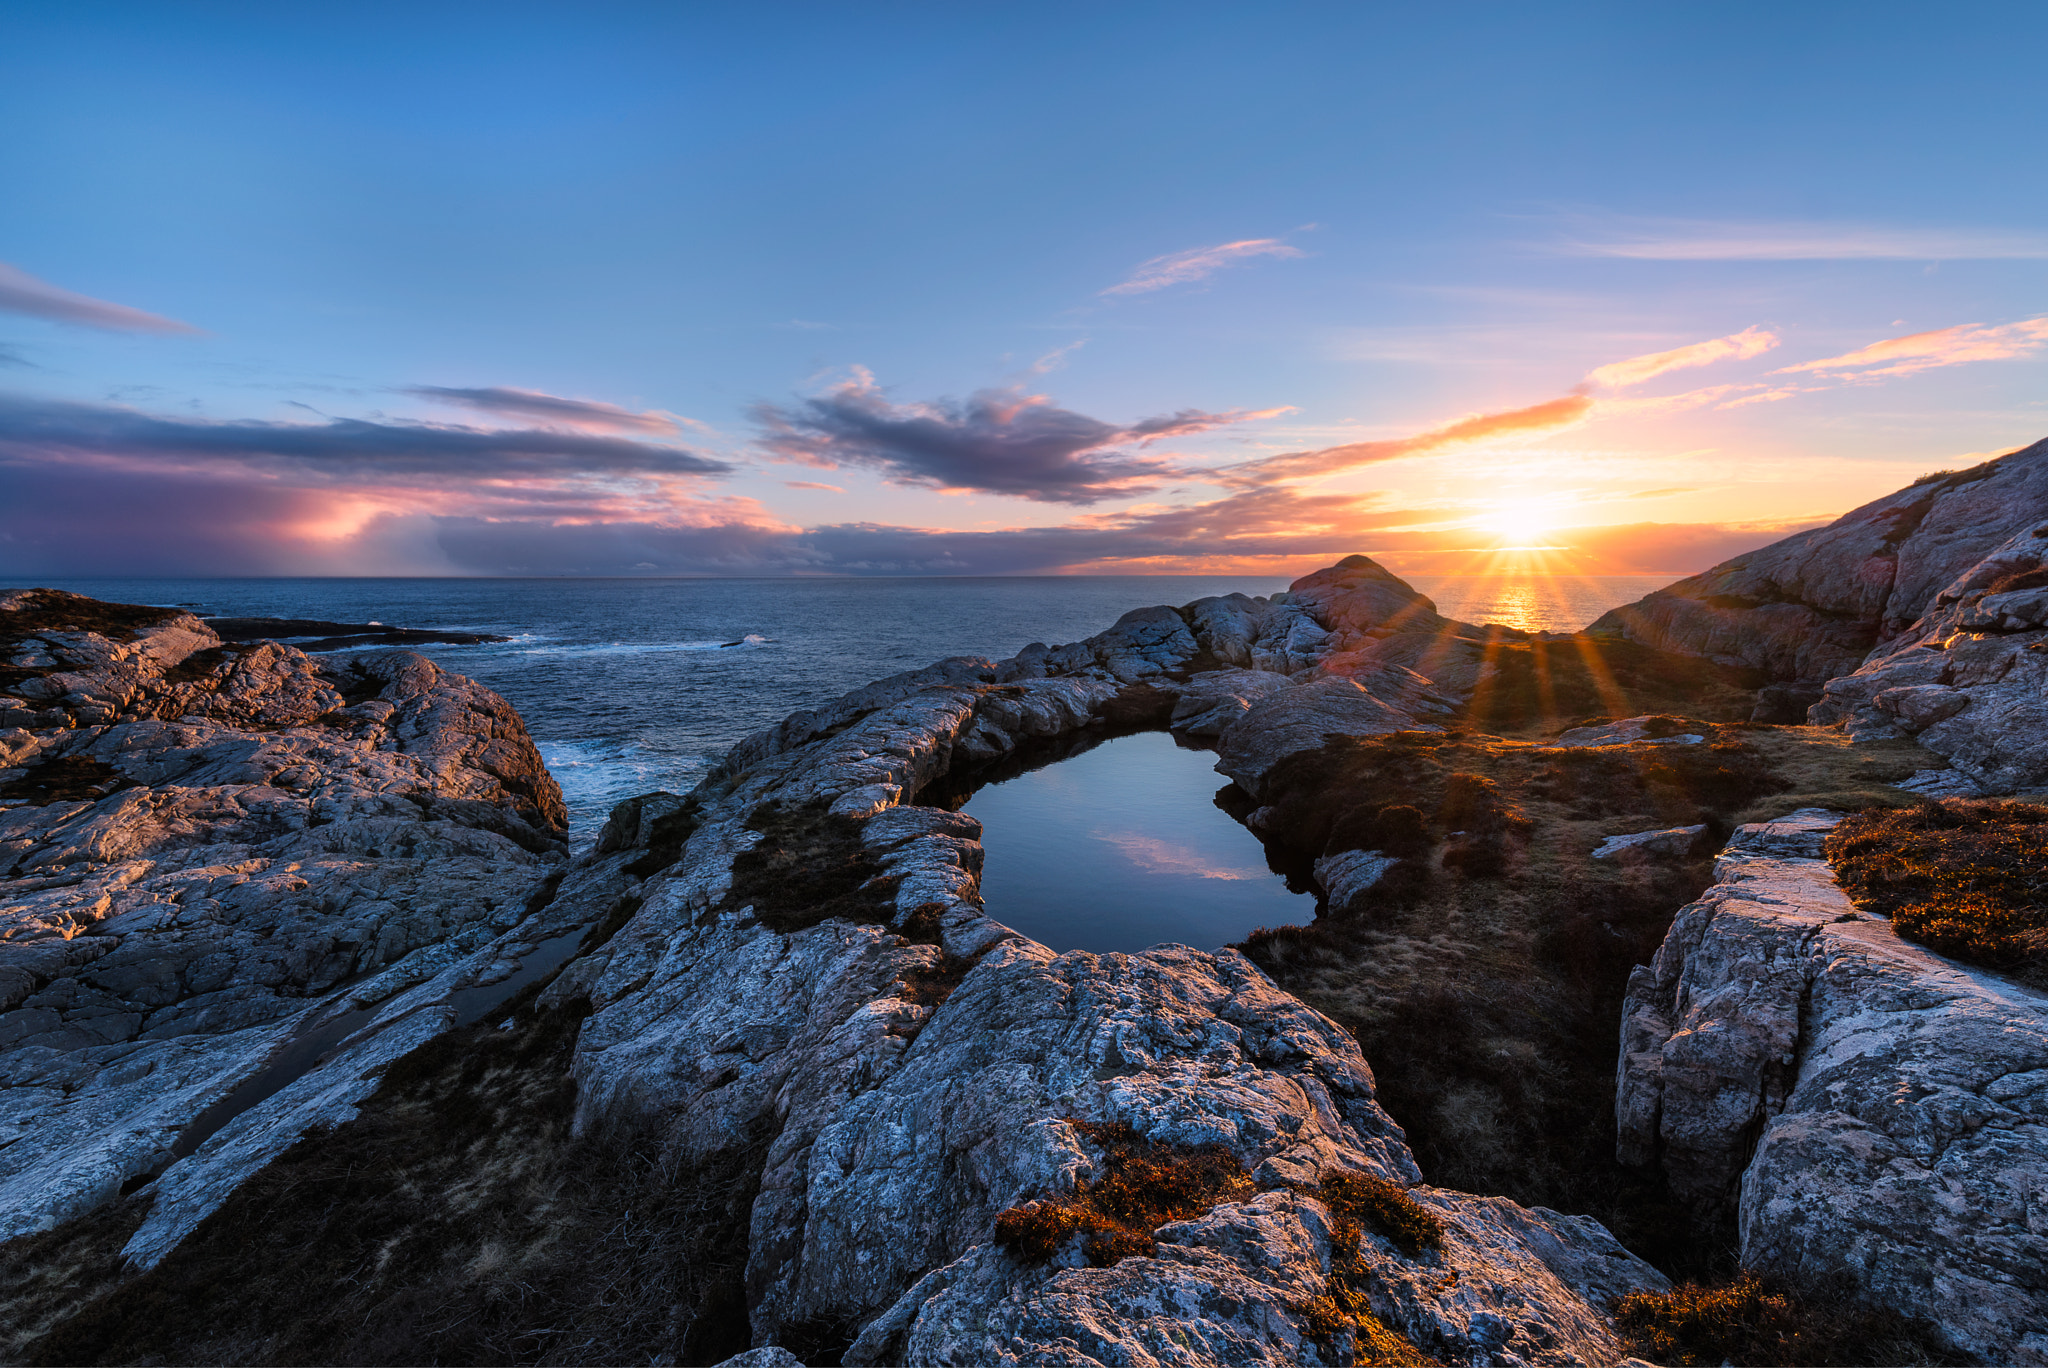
column 597, row 774
column 751, row 641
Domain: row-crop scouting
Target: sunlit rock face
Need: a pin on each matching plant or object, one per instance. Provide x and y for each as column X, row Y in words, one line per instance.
column 205, row 852
column 1814, row 606
column 1896, row 1102
column 911, row 1065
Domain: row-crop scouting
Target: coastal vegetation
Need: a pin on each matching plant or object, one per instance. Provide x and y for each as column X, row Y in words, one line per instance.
column 1484, row 972
column 1964, row 877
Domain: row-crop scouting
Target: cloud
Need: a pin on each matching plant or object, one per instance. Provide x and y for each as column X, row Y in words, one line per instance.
column 11, row 356
column 548, row 408
column 1927, row 350
column 1549, row 416
column 340, row 450
column 813, row 484
column 1740, row 346
column 1700, row 240
column 22, row 293
column 996, row 441
column 1197, row 263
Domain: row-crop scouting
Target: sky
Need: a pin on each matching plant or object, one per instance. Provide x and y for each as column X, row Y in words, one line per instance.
column 980, row 288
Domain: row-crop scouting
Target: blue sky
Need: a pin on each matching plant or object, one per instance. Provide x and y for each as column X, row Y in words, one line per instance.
column 296, row 289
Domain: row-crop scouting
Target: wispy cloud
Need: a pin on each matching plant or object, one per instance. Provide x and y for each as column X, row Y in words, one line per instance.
column 813, row 484
column 1751, row 341
column 1927, row 350
column 552, row 409
column 518, row 462
column 996, row 441
column 1549, row 416
column 1702, row 240
column 1197, row 263
column 22, row 293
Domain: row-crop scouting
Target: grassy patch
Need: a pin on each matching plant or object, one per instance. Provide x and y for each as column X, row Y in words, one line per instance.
column 1965, row 877
column 1746, row 1319
column 1357, row 1200
column 809, row 867
column 1542, row 687
column 1484, row 975
column 54, row 610
column 455, row 1220
column 1139, row 1187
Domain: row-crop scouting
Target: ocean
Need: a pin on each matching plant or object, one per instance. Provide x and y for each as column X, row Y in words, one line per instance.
column 630, row 685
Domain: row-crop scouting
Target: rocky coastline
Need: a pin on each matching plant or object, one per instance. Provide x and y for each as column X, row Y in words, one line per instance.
column 251, row 899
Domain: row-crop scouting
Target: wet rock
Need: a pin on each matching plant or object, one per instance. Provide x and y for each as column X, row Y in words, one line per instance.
column 1897, row 1102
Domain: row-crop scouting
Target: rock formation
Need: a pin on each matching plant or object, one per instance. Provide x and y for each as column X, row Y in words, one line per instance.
column 916, row 1067
column 1879, row 584
column 1895, row 1103
column 220, row 864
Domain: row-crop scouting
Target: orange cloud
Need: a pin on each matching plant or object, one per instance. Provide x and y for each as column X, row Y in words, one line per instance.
column 1740, row 346
column 1545, row 417
column 1183, row 268
column 1927, row 350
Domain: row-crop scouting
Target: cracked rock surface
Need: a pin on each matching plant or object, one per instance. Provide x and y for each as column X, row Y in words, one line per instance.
column 911, row 1069
column 1897, row 1102
column 209, row 853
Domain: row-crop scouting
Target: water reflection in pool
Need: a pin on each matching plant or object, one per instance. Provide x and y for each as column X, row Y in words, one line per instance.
column 1122, row 847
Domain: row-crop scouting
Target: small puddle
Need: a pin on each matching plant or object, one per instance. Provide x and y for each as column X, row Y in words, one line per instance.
column 1122, row 847
column 320, row 1041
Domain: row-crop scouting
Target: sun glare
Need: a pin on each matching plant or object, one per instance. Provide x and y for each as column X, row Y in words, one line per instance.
column 1520, row 524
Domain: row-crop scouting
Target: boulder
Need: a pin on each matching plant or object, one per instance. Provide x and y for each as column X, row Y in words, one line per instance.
column 1896, row 1102
column 1645, row 847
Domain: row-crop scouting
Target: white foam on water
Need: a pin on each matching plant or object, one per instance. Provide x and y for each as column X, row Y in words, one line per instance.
column 750, row 641
column 596, row 775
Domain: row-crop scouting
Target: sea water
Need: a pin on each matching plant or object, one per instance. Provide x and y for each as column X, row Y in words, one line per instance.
column 630, row 685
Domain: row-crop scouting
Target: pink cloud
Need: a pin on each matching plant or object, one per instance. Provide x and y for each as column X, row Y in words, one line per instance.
column 1740, row 346
column 1927, row 350
column 1184, row 268
column 22, row 293
column 588, row 415
column 1549, row 416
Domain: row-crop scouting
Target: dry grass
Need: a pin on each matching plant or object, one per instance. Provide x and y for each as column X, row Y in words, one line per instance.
column 1485, row 985
column 1746, row 1319
column 1964, row 877
column 1140, row 1186
column 454, row 1221
column 809, row 867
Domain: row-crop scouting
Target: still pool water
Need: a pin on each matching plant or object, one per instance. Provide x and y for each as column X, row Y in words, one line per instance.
column 1123, row 847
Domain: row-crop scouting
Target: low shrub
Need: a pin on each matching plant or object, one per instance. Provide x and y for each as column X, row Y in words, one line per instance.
column 1751, row 1320
column 1397, row 829
column 1965, row 877
column 809, row 867
column 1385, row 1206
column 1140, row 1186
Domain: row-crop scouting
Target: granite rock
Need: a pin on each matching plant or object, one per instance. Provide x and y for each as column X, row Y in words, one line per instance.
column 209, row 852
column 1896, row 1102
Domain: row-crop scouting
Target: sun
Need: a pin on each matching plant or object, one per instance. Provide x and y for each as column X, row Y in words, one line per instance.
column 1520, row 524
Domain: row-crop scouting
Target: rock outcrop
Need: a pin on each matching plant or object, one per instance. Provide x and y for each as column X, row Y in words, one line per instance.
column 1867, row 1106
column 221, row 865
column 910, row 1067
column 1813, row 606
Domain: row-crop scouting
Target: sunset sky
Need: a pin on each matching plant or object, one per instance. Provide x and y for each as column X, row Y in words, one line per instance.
column 966, row 288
